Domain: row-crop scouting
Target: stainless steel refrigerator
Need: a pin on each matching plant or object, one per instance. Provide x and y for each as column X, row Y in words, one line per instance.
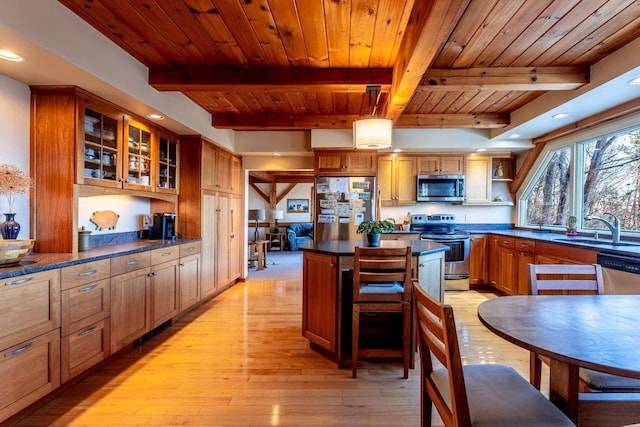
column 341, row 204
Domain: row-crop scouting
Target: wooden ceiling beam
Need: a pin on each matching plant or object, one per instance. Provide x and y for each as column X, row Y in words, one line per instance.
column 288, row 122
column 478, row 121
column 429, row 26
column 505, row 79
column 268, row 80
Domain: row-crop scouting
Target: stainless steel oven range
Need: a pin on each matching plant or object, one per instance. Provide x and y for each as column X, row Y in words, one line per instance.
column 441, row 229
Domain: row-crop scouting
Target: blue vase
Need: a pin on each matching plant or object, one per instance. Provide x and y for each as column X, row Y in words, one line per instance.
column 373, row 240
column 10, row 227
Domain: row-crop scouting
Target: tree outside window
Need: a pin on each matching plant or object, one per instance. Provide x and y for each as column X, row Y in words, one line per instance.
column 609, row 183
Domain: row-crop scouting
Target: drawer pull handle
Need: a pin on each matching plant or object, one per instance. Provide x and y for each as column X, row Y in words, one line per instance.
column 181, row 264
column 87, row 273
column 152, row 274
column 18, row 350
column 134, row 262
column 19, row 281
column 166, row 254
column 191, row 248
column 88, row 288
column 87, row 331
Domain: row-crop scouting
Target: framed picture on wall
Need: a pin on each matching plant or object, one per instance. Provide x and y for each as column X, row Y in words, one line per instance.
column 297, row 205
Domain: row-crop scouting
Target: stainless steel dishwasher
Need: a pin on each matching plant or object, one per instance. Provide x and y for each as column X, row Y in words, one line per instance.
column 621, row 273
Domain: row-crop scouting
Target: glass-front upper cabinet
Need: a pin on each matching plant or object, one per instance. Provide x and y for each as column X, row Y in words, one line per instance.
column 167, row 173
column 138, row 152
column 100, row 148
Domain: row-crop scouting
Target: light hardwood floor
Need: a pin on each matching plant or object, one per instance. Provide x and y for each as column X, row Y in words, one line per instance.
column 240, row 360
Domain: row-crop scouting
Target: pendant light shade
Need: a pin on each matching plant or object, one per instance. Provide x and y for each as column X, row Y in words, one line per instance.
column 372, row 133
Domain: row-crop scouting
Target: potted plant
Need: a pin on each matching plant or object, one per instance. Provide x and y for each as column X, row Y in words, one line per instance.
column 373, row 229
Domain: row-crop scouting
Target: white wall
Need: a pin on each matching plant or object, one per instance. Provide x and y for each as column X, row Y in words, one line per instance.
column 130, row 209
column 14, row 142
column 477, row 214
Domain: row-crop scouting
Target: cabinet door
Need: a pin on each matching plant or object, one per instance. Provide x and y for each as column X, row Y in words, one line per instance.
column 138, row 148
column 494, row 261
column 386, row 181
column 330, row 162
column 361, row 162
column 453, row 165
column 431, row 275
column 235, row 249
column 209, row 155
column 507, row 274
column 100, row 135
column 523, row 259
column 477, row 184
column 405, row 177
column 166, row 169
column 189, row 281
column 478, row 260
column 236, row 176
column 319, row 300
column 223, row 171
column 28, row 371
column 29, row 306
column 129, row 307
column 428, row 165
column 164, row 292
column 207, row 267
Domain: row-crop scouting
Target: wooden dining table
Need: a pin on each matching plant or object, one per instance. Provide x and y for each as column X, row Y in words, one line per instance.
column 600, row 332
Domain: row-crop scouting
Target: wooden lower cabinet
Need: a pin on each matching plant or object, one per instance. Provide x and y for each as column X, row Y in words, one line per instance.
column 525, row 255
column 84, row 348
column 319, row 300
column 29, row 339
column 493, row 261
column 189, row 279
column 29, row 370
column 129, row 307
column 478, row 265
column 164, row 292
column 430, row 269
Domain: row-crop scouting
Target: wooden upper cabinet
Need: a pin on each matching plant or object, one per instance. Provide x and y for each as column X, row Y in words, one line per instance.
column 431, row 165
column 221, row 170
column 396, row 180
column 477, row 187
column 166, row 170
column 139, row 141
column 346, row 162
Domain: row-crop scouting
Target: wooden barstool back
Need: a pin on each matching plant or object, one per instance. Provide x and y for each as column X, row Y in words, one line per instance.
column 381, row 283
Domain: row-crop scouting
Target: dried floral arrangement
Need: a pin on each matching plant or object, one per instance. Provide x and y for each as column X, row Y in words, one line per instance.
column 12, row 183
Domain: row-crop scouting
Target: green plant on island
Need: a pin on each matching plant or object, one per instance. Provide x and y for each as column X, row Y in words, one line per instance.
column 369, row 226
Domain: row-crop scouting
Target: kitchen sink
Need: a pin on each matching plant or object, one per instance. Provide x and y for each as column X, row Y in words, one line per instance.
column 588, row 241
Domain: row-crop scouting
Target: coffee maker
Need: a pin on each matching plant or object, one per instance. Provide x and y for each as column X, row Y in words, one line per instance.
column 163, row 227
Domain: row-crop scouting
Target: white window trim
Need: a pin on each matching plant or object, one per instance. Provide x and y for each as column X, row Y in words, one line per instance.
column 631, row 121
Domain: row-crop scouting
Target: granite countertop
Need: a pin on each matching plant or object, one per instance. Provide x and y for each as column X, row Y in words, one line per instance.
column 47, row 261
column 347, row 247
column 552, row 237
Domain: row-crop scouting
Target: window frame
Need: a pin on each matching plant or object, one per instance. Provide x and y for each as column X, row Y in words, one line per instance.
column 576, row 170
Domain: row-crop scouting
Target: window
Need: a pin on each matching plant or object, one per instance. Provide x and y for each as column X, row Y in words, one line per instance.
column 586, row 178
column 610, row 178
column 548, row 201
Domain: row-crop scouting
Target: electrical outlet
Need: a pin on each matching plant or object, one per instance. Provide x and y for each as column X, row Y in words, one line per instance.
column 468, row 218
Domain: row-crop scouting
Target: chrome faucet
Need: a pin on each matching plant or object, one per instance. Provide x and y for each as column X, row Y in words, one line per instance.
column 614, row 228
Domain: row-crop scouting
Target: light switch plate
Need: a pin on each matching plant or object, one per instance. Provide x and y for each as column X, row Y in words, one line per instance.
column 468, row 218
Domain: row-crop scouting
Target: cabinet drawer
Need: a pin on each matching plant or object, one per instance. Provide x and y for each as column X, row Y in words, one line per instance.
column 85, row 273
column 187, row 249
column 506, row 242
column 158, row 256
column 85, row 304
column 28, row 371
column 29, row 306
column 126, row 263
column 526, row 246
column 84, row 348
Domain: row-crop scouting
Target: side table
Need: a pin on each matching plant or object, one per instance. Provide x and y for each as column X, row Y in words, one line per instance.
column 276, row 241
column 258, row 253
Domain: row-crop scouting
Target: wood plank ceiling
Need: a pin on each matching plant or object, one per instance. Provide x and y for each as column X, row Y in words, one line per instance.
column 305, row 64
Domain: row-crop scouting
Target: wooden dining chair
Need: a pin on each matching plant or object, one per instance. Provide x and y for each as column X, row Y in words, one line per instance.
column 470, row 395
column 571, row 279
column 382, row 284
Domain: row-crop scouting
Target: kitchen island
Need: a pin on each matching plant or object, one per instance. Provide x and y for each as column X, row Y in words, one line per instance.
column 326, row 288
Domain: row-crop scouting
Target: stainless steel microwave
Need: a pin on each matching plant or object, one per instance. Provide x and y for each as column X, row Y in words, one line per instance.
column 440, row 188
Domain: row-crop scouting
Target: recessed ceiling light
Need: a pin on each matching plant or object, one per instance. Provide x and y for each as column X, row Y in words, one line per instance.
column 397, row 150
column 560, row 115
column 481, row 149
column 635, row 81
column 277, row 154
column 10, row 56
column 154, row 116
column 514, row 135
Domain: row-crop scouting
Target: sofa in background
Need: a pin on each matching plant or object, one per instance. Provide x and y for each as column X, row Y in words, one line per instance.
column 298, row 234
